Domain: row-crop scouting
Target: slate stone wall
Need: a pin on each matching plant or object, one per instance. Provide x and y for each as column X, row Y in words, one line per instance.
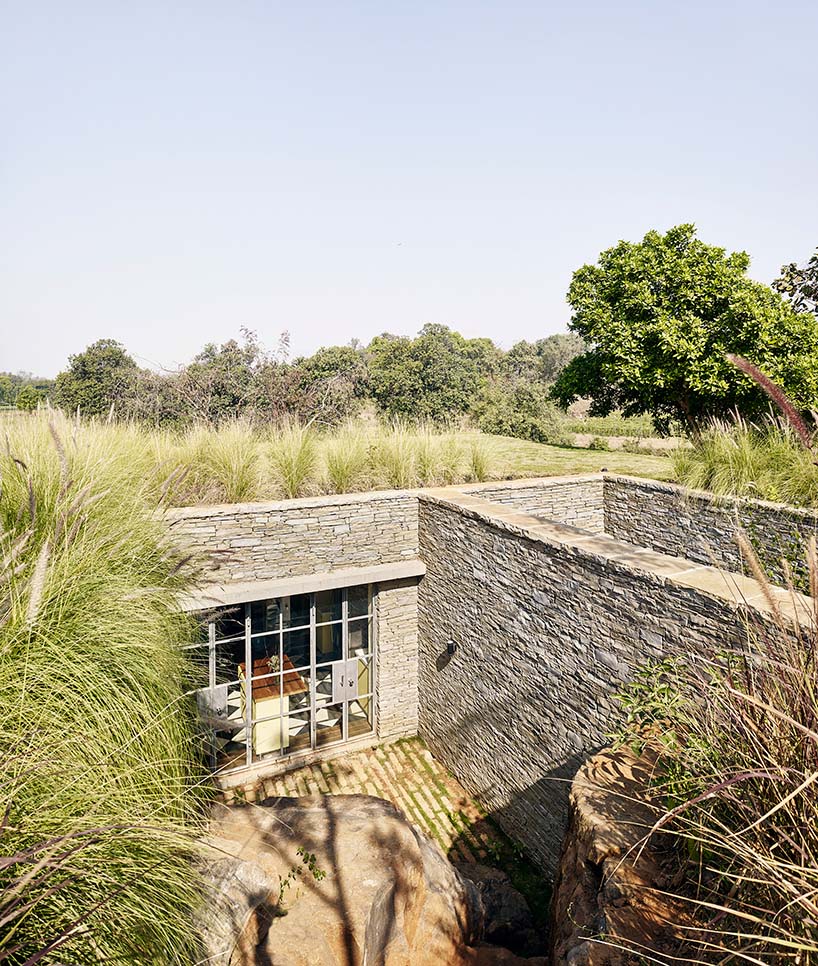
column 701, row 527
column 577, row 500
column 396, row 610
column 546, row 633
column 265, row 541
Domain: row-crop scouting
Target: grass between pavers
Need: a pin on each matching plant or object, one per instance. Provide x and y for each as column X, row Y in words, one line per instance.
column 514, row 458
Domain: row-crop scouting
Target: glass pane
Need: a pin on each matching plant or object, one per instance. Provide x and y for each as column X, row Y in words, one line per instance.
column 327, row 606
column 323, row 684
column 358, row 601
column 328, row 643
column 199, row 658
column 297, row 689
column 360, row 717
column 296, row 610
column 365, row 677
column 328, row 724
column 296, row 649
column 265, row 615
column 267, row 737
column 267, row 648
column 202, row 635
column 230, row 744
column 297, row 731
column 359, row 638
column 230, row 622
column 229, row 656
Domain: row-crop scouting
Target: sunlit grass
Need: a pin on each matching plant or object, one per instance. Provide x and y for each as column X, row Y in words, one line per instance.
column 97, row 745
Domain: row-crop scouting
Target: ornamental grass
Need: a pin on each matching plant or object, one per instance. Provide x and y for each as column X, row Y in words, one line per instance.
column 100, row 795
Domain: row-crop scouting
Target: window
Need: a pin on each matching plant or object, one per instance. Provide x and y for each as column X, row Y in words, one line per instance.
column 285, row 675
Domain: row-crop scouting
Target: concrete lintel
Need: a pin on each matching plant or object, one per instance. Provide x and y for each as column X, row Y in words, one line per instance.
column 240, row 592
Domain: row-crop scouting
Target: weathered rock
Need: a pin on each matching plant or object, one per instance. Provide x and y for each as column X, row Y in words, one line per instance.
column 607, row 894
column 507, row 919
column 387, row 896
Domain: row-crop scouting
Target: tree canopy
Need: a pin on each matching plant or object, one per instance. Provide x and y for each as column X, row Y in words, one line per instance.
column 96, row 379
column 799, row 285
column 659, row 316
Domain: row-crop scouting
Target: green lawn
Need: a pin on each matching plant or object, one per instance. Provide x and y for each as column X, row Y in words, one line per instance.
column 517, row 457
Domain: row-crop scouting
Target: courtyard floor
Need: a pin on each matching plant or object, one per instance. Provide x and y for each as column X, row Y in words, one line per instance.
column 407, row 775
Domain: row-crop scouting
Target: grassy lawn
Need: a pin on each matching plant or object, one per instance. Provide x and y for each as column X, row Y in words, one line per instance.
column 517, row 457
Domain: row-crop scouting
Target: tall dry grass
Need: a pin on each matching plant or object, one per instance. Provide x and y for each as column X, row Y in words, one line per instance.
column 99, row 786
column 736, row 790
column 766, row 461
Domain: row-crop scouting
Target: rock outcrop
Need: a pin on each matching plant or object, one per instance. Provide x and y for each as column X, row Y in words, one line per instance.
column 608, row 900
column 338, row 881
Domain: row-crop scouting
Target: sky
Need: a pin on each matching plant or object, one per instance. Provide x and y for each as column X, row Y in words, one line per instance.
column 173, row 171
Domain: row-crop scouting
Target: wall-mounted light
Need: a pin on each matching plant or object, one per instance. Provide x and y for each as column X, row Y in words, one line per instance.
column 451, row 647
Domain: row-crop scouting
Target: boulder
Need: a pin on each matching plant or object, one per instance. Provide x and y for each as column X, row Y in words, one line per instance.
column 340, row 880
column 608, row 900
column 507, row 919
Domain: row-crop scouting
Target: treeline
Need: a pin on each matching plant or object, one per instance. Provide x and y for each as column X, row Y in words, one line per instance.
column 437, row 376
column 22, row 390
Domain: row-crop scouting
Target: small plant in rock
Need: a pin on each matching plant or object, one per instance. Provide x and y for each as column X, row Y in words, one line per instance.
column 309, row 866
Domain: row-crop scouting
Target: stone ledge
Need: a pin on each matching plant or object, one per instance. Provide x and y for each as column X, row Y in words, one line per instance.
column 240, row 592
column 730, row 588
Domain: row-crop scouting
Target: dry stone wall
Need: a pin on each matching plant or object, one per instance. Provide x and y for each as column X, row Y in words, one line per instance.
column 548, row 625
column 575, row 500
column 265, row 541
column 701, row 527
column 396, row 613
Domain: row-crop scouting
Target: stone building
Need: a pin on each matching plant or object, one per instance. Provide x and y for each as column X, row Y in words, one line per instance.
column 497, row 621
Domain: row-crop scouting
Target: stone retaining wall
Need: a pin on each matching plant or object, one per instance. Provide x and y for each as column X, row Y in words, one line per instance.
column 548, row 624
column 701, row 527
column 576, row 500
column 264, row 541
column 396, row 614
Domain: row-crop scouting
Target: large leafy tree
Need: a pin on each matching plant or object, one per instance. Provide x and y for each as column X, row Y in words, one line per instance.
column 799, row 285
column 660, row 315
column 97, row 379
column 436, row 376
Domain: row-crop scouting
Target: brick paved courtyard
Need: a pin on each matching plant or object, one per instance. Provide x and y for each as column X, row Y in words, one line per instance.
column 407, row 775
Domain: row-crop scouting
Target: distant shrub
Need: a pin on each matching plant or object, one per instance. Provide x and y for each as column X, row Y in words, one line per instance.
column 524, row 411
column 614, row 424
column 600, row 443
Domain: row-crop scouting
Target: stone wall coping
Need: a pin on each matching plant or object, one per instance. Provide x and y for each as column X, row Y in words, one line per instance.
column 302, row 503
column 664, row 486
column 240, row 592
column 733, row 589
column 368, row 496
column 520, row 483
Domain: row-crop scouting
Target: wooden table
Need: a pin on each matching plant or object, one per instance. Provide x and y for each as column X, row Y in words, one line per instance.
column 271, row 693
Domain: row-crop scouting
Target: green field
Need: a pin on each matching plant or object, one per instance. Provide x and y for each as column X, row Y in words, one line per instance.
column 517, row 457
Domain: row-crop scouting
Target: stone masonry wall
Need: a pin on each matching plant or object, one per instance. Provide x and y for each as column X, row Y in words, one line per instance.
column 397, row 680
column 265, row 541
column 701, row 527
column 576, row 500
column 548, row 626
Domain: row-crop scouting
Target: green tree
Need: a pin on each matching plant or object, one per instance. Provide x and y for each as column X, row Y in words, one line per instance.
column 544, row 359
column 27, row 398
column 799, row 285
column 436, row 376
column 8, row 392
column 96, row 379
column 659, row 317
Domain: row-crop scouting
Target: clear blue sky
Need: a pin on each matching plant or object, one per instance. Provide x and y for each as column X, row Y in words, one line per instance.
column 172, row 171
